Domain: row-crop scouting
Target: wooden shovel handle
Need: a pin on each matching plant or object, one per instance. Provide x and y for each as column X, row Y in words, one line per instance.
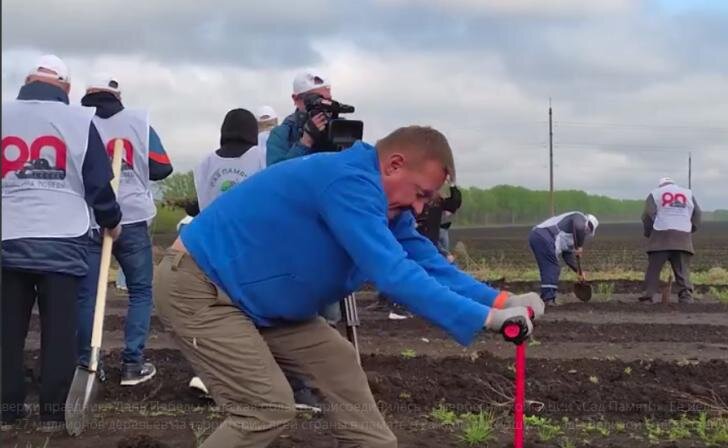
column 100, row 309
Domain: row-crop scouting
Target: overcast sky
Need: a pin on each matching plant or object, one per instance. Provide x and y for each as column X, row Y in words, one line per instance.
column 635, row 85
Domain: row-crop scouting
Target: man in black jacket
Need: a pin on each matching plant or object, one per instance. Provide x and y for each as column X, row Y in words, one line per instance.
column 144, row 160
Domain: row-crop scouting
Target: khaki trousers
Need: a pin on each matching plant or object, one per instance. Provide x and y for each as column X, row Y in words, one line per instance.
column 241, row 364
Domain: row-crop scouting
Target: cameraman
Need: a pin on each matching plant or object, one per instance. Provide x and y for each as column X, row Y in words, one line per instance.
column 298, row 133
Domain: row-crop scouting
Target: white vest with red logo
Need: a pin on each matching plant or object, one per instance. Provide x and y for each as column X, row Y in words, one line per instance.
column 43, row 149
column 216, row 175
column 674, row 208
column 134, row 196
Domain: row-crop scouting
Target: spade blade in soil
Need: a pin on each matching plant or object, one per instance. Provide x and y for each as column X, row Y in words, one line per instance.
column 583, row 291
column 80, row 400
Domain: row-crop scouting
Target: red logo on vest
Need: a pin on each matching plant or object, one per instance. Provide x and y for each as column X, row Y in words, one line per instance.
column 127, row 158
column 34, row 161
column 674, row 200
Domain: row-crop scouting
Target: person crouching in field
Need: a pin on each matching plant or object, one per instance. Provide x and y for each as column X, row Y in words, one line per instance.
column 565, row 236
column 242, row 287
column 670, row 218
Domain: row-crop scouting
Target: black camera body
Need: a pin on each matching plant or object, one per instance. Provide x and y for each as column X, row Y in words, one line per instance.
column 339, row 133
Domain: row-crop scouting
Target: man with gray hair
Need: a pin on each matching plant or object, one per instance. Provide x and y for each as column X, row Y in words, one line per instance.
column 670, row 217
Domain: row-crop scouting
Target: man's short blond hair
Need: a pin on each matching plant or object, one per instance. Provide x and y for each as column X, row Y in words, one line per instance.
column 427, row 142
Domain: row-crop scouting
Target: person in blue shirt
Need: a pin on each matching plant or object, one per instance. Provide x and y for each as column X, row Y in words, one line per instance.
column 242, row 286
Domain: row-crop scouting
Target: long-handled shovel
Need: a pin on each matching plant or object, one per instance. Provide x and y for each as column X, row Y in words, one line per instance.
column 514, row 332
column 84, row 386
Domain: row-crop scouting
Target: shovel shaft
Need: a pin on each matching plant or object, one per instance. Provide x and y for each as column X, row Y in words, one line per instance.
column 520, row 396
column 100, row 309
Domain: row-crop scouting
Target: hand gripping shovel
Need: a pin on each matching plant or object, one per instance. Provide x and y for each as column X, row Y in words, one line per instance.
column 582, row 288
column 84, row 386
column 516, row 333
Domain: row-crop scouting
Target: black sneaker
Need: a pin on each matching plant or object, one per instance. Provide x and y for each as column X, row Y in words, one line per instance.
column 306, row 401
column 133, row 374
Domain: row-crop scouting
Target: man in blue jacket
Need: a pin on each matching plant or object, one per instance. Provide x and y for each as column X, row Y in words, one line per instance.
column 298, row 133
column 242, row 286
column 54, row 166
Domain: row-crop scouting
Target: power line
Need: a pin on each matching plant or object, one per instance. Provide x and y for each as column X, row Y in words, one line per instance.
column 641, row 126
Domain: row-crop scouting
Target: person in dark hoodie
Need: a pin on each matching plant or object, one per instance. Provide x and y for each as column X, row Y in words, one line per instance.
column 144, row 160
column 54, row 167
column 237, row 158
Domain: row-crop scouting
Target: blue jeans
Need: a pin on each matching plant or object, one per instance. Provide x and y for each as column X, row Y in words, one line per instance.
column 133, row 251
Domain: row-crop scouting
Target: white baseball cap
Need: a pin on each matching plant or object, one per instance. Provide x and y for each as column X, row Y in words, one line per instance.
column 664, row 181
column 265, row 113
column 591, row 219
column 104, row 82
column 305, row 81
column 51, row 66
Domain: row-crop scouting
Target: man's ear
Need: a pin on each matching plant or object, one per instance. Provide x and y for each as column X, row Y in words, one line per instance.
column 395, row 161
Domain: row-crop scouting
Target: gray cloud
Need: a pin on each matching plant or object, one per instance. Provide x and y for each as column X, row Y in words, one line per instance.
column 635, row 85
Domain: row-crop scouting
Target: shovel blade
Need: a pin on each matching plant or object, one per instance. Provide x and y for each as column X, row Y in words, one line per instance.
column 79, row 402
column 583, row 291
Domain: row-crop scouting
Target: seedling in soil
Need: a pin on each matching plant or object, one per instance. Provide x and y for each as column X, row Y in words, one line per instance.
column 654, row 431
column 605, row 290
column 405, row 395
column 408, row 353
column 594, row 379
column 547, row 430
column 477, row 428
column 720, row 295
column 628, row 370
column 599, row 428
column 444, row 416
column 620, row 427
column 567, row 443
column 533, row 342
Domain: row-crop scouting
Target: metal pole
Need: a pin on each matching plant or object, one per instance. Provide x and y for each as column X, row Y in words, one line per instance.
column 551, row 160
column 690, row 170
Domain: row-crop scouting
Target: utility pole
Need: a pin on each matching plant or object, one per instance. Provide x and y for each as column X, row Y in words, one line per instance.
column 551, row 160
column 690, row 170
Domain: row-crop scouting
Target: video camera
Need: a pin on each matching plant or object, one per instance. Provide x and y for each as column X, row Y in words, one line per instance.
column 339, row 133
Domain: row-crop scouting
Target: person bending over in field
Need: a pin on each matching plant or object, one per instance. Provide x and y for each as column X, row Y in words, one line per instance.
column 565, row 236
column 242, row 287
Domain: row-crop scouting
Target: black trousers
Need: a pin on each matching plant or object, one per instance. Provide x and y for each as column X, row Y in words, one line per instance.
column 680, row 262
column 57, row 296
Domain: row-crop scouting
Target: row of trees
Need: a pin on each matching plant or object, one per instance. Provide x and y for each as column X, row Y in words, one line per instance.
column 506, row 204
column 503, row 204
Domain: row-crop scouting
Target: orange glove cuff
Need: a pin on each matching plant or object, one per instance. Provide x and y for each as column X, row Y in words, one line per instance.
column 500, row 300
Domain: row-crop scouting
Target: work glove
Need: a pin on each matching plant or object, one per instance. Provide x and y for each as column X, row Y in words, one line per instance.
column 497, row 320
column 530, row 299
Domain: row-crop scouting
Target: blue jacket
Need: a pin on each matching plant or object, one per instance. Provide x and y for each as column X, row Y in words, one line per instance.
column 67, row 255
column 305, row 233
column 284, row 139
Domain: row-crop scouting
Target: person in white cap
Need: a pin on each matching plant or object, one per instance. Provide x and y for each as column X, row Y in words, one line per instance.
column 267, row 120
column 564, row 235
column 670, row 217
column 297, row 134
column 144, row 160
column 54, row 167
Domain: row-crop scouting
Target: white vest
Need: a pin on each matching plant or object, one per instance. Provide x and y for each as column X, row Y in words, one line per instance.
column 564, row 242
column 43, row 149
column 134, row 196
column 674, row 208
column 216, row 175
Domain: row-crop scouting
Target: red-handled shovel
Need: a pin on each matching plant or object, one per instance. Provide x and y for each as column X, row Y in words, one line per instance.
column 516, row 333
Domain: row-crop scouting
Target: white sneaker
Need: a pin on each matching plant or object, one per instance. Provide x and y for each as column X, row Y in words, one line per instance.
column 196, row 383
column 395, row 316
